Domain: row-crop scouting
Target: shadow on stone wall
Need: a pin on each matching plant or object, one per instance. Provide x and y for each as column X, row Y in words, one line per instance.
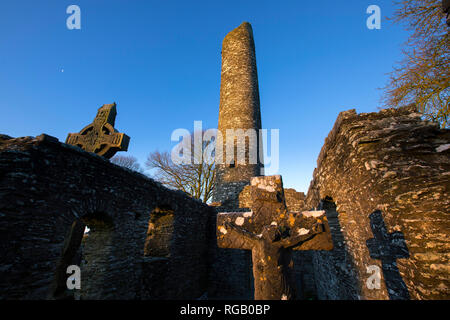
column 388, row 247
column 335, row 270
column 70, row 255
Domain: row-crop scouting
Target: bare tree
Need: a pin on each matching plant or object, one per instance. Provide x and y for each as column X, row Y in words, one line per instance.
column 423, row 76
column 196, row 177
column 129, row 162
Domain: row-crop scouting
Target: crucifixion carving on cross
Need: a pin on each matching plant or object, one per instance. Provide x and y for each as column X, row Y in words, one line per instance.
column 271, row 232
column 100, row 137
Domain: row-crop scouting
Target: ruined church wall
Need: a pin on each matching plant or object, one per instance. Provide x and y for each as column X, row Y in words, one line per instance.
column 295, row 201
column 303, row 263
column 394, row 165
column 231, row 276
column 45, row 186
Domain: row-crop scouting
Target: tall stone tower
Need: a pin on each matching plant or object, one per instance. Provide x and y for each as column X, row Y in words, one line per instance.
column 239, row 110
column 231, row 272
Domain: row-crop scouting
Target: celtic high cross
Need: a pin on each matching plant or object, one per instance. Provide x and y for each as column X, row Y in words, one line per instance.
column 271, row 232
column 100, row 137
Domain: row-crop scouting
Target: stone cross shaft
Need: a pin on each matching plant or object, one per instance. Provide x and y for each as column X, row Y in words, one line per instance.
column 100, row 137
column 271, row 233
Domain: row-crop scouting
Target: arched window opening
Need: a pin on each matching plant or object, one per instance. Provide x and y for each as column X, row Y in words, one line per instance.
column 71, row 255
column 87, row 242
column 159, row 232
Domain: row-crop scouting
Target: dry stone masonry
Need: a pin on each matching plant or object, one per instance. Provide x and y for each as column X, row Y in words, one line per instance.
column 271, row 233
column 384, row 178
column 379, row 200
column 239, row 110
column 49, row 192
column 231, row 275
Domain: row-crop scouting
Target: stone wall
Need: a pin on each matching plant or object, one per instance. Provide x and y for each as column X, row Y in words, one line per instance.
column 388, row 175
column 49, row 191
column 334, row 273
column 239, row 117
column 303, row 260
column 295, row 201
column 304, row 275
column 227, row 193
column 230, row 275
column 382, row 179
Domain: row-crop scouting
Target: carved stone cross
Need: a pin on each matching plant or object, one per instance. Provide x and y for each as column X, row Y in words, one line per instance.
column 271, row 233
column 100, row 136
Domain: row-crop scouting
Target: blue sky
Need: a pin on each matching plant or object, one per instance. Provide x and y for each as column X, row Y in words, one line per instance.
column 160, row 62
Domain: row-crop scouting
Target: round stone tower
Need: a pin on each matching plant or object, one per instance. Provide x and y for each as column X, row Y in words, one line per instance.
column 239, row 117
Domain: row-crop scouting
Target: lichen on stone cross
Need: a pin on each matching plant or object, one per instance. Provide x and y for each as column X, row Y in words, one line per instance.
column 100, row 137
column 271, row 233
